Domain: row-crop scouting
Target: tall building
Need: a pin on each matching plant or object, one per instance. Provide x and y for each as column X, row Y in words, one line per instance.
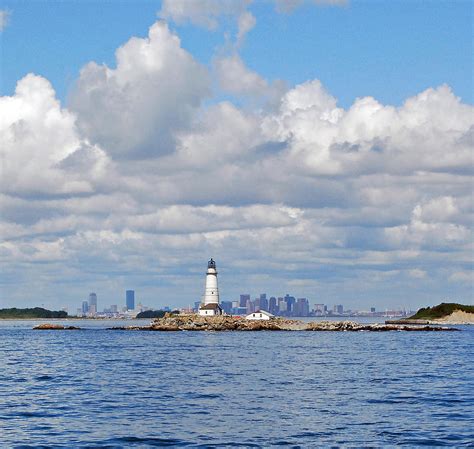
column 250, row 306
column 130, row 299
column 339, row 309
column 301, row 307
column 290, row 302
column 227, row 307
column 272, row 306
column 93, row 301
column 243, row 300
column 263, row 302
column 319, row 308
column 256, row 304
column 85, row 307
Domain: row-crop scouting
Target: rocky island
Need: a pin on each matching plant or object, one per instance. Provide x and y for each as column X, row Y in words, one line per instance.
column 193, row 322
column 55, row 327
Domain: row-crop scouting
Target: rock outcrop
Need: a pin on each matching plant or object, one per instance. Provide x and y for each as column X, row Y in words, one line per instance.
column 191, row 322
column 60, row 327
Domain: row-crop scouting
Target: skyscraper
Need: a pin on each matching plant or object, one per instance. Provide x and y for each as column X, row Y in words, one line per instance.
column 92, row 303
column 290, row 301
column 256, row 304
column 227, row 306
column 301, row 308
column 319, row 308
column 130, row 299
column 263, row 302
column 250, row 306
column 243, row 300
column 85, row 307
column 272, row 307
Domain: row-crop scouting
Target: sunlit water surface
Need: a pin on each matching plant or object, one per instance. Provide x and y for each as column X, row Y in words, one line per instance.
column 100, row 388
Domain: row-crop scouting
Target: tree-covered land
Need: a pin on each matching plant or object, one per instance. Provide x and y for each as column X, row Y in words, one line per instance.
column 154, row 313
column 441, row 310
column 36, row 312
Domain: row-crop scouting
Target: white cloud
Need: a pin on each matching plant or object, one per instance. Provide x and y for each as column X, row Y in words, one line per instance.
column 372, row 138
column 419, row 234
column 37, row 136
column 135, row 109
column 205, row 13
column 442, row 209
column 140, row 181
column 245, row 23
column 4, row 19
column 236, row 78
column 208, row 146
column 286, row 6
column 416, row 273
column 463, row 276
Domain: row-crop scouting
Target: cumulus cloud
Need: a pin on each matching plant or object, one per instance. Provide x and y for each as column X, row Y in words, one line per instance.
column 135, row 109
column 208, row 146
column 371, row 137
column 236, row 78
column 37, row 136
column 139, row 180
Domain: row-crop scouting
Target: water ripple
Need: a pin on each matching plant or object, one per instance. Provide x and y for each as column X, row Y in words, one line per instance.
column 102, row 389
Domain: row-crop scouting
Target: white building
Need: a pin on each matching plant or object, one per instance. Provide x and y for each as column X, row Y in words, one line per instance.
column 210, row 300
column 260, row 315
column 210, row 310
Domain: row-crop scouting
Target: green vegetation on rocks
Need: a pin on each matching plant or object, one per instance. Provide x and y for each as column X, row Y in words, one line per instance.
column 440, row 311
column 36, row 312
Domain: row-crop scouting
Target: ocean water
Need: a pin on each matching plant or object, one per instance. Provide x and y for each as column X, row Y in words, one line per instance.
column 105, row 389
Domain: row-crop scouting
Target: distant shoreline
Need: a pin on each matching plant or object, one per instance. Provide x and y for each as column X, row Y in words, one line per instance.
column 69, row 318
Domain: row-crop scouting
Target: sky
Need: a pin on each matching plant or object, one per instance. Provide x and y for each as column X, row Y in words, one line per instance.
column 321, row 148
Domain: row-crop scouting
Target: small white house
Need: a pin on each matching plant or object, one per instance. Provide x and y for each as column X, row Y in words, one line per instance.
column 210, row 309
column 260, row 315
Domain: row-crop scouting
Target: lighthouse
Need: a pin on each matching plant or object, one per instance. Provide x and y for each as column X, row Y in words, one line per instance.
column 210, row 300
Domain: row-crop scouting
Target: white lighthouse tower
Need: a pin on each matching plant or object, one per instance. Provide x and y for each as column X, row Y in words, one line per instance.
column 210, row 300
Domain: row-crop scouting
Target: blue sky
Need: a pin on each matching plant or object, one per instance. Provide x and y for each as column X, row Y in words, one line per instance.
column 326, row 152
column 390, row 50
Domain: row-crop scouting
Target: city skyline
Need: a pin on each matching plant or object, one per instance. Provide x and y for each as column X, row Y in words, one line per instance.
column 322, row 148
column 285, row 305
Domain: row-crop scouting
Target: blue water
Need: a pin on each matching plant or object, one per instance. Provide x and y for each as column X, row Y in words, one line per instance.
column 99, row 388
